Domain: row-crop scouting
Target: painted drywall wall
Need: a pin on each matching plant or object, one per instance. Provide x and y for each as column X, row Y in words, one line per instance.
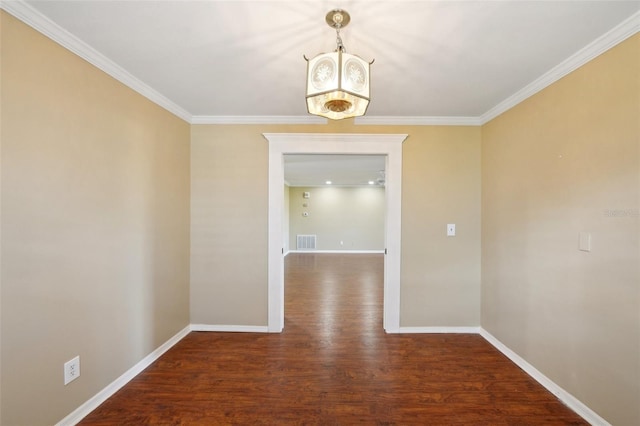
column 441, row 184
column 342, row 218
column 95, row 227
column 229, row 189
column 564, row 162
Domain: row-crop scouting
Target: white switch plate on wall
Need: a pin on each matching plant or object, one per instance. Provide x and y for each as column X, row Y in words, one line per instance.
column 585, row 241
column 451, row 230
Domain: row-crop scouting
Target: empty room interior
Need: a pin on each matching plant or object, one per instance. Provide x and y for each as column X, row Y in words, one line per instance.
column 153, row 158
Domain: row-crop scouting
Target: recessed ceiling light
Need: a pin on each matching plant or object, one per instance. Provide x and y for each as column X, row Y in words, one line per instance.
column 371, row 182
column 328, row 182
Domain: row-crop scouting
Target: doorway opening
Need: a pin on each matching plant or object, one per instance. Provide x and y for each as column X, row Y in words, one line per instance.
column 336, row 203
column 388, row 145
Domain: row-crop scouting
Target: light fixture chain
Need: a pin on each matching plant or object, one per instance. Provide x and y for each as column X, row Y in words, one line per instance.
column 339, row 44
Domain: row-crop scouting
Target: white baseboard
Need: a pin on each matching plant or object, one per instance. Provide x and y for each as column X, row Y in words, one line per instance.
column 440, row 330
column 230, row 328
column 569, row 400
column 339, row 251
column 93, row 403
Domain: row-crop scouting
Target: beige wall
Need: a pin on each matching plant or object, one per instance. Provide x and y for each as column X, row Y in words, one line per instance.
column 229, row 189
column 342, row 218
column 229, row 209
column 95, row 227
column 441, row 185
column 563, row 162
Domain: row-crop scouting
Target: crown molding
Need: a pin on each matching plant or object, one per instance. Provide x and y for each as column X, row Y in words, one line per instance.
column 32, row 17
column 417, row 121
column 341, row 138
column 618, row 34
column 257, row 119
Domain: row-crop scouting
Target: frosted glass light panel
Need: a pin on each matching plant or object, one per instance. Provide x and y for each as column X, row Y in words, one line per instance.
column 337, row 85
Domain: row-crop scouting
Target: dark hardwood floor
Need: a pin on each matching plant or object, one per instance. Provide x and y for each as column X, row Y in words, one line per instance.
column 333, row 365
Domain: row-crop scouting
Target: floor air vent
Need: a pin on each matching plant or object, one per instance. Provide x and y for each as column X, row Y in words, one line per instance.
column 306, row 242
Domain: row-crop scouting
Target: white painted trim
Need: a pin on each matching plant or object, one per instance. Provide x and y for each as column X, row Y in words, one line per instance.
column 93, row 403
column 339, row 251
column 32, row 17
column 572, row 402
column 440, row 330
column 617, row 35
column 334, row 143
column 333, row 185
column 417, row 121
column 230, row 328
column 276, row 243
column 258, row 119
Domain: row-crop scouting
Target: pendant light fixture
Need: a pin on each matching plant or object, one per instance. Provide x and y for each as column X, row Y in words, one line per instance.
column 337, row 82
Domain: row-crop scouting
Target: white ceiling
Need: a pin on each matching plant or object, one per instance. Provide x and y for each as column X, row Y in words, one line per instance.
column 434, row 59
column 340, row 170
column 436, row 62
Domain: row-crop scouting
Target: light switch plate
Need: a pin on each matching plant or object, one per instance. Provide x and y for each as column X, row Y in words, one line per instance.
column 451, row 230
column 585, row 241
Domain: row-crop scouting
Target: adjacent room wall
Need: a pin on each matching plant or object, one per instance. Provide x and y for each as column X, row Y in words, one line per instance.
column 342, row 218
column 565, row 162
column 440, row 277
column 95, row 227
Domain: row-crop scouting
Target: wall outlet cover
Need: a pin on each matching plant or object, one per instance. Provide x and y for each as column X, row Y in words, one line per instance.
column 71, row 370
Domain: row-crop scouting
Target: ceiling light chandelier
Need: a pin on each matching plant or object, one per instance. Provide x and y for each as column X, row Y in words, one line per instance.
column 337, row 82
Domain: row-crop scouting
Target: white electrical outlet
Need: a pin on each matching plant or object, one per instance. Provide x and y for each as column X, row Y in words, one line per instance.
column 71, row 370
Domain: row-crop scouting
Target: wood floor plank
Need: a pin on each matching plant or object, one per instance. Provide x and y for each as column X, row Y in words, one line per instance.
column 333, row 365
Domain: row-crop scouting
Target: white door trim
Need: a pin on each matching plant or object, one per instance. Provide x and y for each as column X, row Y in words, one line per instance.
column 330, row 143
